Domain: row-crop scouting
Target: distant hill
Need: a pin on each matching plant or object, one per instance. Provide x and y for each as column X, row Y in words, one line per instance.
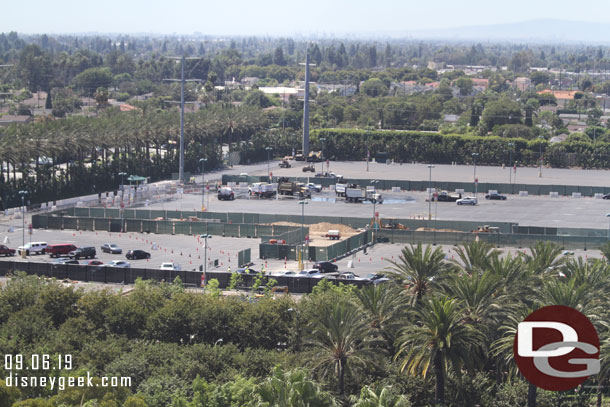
column 537, row 31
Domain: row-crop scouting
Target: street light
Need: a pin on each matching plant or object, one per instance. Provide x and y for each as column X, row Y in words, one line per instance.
column 430, row 192
column 205, row 253
column 23, row 194
column 322, row 141
column 476, row 183
column 540, row 138
column 303, row 203
column 268, row 160
column 608, row 216
column 202, row 161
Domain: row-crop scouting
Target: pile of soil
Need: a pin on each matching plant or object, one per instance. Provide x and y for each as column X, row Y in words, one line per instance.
column 322, row 227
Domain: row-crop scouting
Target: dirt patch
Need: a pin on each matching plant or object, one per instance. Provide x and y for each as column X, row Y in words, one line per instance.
column 437, row 230
column 322, row 227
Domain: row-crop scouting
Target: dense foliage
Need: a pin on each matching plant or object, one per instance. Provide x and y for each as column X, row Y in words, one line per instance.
column 440, row 334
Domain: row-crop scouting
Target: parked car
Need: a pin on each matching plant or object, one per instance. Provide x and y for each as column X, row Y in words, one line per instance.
column 62, row 249
column 246, row 270
column 119, row 263
column 33, row 247
column 87, row 252
column 111, row 248
column 95, row 263
column 348, row 275
column 607, row 196
column 326, row 267
column 377, row 278
column 496, row 196
column 170, row 266
column 65, row 260
column 137, row 255
column 469, row 200
column 5, row 251
column 312, row 273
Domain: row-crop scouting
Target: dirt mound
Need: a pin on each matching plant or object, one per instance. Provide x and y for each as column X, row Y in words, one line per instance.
column 322, row 227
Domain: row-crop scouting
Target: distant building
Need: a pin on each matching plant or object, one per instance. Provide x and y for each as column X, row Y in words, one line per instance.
column 250, row 80
column 522, row 83
column 562, row 96
column 341, row 89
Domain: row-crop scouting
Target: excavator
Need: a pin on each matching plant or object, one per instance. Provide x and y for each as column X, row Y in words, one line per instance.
column 388, row 223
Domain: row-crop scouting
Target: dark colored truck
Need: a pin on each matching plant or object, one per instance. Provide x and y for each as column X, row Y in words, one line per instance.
column 444, row 196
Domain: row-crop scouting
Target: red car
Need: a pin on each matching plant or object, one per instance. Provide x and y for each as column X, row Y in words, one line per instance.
column 94, row 263
column 5, row 251
column 56, row 250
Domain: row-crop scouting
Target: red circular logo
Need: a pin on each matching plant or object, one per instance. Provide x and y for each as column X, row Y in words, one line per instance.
column 556, row 348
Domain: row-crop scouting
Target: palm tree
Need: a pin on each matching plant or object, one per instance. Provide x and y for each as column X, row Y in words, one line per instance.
column 544, row 257
column 340, row 339
column 440, row 338
column 420, row 270
column 379, row 397
column 476, row 256
column 384, row 305
column 293, row 389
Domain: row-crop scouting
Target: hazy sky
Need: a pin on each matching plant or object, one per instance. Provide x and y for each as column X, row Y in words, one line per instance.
column 283, row 17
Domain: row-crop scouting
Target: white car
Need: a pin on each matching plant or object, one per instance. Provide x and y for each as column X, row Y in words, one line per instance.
column 34, row 247
column 348, row 275
column 314, row 187
column 170, row 266
column 469, row 200
column 119, row 264
column 312, row 273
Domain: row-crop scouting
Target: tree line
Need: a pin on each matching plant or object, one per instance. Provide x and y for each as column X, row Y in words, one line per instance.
column 439, row 334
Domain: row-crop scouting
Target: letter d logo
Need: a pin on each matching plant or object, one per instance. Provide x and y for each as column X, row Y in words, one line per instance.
column 556, row 348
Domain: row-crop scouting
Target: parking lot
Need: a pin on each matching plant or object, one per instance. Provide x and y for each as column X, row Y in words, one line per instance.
column 187, row 251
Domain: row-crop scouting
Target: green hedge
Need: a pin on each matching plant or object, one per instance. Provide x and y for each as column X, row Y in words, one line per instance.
column 407, row 146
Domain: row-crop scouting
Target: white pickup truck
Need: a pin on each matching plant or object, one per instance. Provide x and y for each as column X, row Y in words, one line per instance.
column 170, row 266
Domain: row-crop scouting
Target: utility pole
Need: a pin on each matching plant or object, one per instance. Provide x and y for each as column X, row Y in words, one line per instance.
column 306, row 108
column 182, row 81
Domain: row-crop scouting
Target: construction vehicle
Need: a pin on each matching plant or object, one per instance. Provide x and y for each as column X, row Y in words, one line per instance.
column 333, row 234
column 285, row 164
column 314, row 157
column 299, row 156
column 309, row 168
column 486, row 229
column 372, row 195
column 355, row 194
column 261, row 189
column 388, row 223
column 286, row 187
column 340, row 186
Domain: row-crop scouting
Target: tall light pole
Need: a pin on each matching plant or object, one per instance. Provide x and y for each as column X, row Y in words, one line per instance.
column 608, row 216
column 430, row 192
column 268, row 161
column 476, row 181
column 322, row 141
column 205, row 253
column 202, row 161
column 23, row 194
column 540, row 138
column 303, row 203
column 368, row 153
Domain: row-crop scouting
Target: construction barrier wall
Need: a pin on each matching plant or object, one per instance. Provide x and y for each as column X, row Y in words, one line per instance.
column 102, row 274
column 512, row 240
